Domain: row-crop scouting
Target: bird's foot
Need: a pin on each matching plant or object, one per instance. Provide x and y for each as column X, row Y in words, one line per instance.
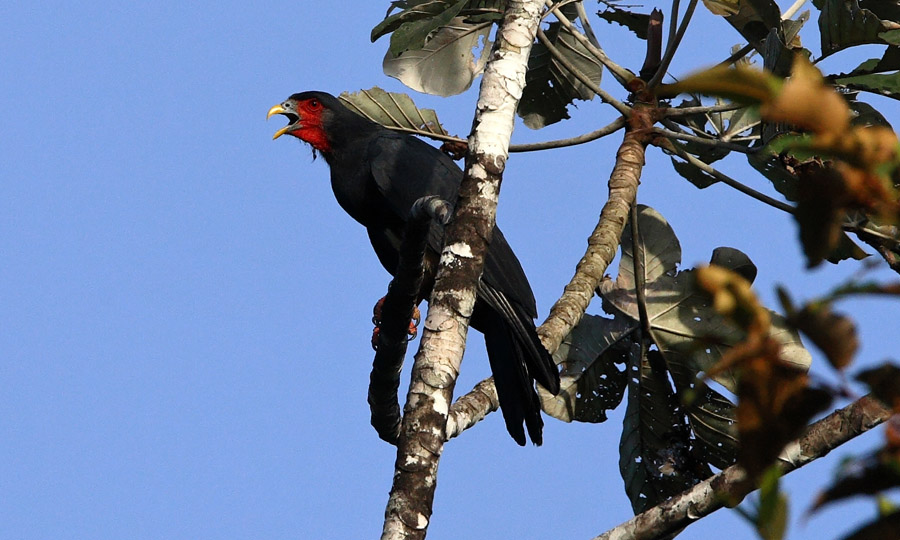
column 412, row 332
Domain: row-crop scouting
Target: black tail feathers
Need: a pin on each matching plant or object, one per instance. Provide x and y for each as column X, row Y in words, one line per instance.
column 518, row 359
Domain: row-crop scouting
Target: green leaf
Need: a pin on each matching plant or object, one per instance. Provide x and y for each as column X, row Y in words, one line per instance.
column 772, row 513
column 887, row 84
column 445, row 65
column 411, row 36
column 654, row 452
column 843, row 23
column 550, row 87
column 392, row 109
column 412, row 11
column 590, row 383
column 753, row 19
column 693, row 173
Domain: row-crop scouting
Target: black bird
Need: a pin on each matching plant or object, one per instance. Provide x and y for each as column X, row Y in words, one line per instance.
column 377, row 174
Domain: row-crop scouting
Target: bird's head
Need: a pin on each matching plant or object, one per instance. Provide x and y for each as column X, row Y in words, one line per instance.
column 310, row 116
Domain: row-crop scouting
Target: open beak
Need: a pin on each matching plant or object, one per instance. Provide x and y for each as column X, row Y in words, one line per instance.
column 293, row 118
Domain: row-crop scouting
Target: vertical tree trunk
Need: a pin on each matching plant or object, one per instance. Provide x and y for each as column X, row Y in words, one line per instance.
column 462, row 259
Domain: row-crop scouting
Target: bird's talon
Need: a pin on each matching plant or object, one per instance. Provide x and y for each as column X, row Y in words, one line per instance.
column 375, row 333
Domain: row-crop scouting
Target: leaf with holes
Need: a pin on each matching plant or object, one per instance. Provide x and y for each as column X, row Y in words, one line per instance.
column 681, row 315
column 549, row 86
column 655, row 460
column 591, row 383
column 393, row 110
column 445, row 65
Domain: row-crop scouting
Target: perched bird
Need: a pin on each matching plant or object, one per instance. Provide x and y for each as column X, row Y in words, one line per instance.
column 377, row 174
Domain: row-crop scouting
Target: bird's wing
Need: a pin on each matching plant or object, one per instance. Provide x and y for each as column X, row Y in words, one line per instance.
column 405, row 169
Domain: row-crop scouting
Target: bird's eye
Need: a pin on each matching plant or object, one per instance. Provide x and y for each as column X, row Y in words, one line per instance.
column 314, row 103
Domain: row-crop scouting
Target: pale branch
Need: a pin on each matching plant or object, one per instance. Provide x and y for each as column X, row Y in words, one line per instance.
column 674, row 42
column 704, row 141
column 732, row 483
column 437, row 363
column 602, row 247
column 603, row 242
column 396, row 310
column 621, row 74
column 603, row 94
column 667, row 145
column 471, row 408
column 586, row 24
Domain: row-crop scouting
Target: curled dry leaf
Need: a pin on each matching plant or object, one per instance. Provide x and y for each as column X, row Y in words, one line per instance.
column 834, row 334
column 734, row 298
column 884, row 383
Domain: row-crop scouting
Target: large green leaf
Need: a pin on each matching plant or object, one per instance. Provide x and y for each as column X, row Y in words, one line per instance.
column 550, row 87
column 753, row 19
column 654, row 453
column 885, row 84
column 445, row 65
column 680, row 314
column 392, row 109
column 843, row 23
column 591, row 383
column 412, row 11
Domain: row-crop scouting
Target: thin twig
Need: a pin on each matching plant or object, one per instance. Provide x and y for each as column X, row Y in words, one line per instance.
column 610, row 128
column 665, row 144
column 673, row 46
column 586, row 24
column 700, row 140
column 674, row 112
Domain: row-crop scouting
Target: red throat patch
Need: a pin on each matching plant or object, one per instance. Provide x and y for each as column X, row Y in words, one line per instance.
column 312, row 132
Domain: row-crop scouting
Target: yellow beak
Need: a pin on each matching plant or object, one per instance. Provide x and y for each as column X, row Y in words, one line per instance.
column 277, row 109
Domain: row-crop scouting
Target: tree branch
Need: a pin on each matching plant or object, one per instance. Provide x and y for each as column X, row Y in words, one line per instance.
column 467, row 236
column 731, row 484
column 608, row 129
column 667, row 145
column 602, row 246
column 398, row 306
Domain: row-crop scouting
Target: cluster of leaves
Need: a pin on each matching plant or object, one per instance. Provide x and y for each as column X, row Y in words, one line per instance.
column 712, row 377
column 434, row 45
column 677, row 428
column 844, row 169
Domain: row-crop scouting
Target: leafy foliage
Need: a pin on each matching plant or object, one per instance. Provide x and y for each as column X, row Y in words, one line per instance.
column 549, row 86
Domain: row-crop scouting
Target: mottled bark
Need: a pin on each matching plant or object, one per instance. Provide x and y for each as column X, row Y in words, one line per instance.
column 467, row 236
column 602, row 246
column 398, row 306
column 731, row 484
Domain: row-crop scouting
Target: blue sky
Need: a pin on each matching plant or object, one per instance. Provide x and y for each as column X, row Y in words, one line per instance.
column 185, row 310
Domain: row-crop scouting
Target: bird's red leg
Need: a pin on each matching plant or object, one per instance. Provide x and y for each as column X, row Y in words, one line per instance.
column 412, row 332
